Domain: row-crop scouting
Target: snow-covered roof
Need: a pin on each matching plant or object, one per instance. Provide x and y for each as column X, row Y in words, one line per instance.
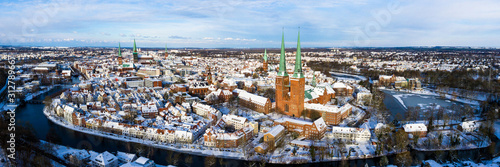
column 345, row 108
column 254, row 98
column 470, row 124
column 320, row 124
column 240, row 120
column 295, row 121
column 105, row 158
column 339, row 85
column 419, row 127
column 338, row 129
column 276, row 130
column 385, row 76
column 141, row 160
column 125, row 156
column 320, row 107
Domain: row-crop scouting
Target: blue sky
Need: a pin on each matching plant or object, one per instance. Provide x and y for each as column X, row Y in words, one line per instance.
column 250, row 24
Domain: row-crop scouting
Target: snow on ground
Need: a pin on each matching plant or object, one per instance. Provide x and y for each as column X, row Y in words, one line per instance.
column 62, row 151
column 470, row 140
column 3, row 158
column 398, row 98
column 224, row 110
column 433, row 163
column 496, row 125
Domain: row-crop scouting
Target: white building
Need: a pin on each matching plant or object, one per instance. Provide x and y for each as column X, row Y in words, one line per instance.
column 206, row 110
column 351, row 133
column 125, row 157
column 236, row 121
column 183, row 136
column 105, row 159
column 470, row 126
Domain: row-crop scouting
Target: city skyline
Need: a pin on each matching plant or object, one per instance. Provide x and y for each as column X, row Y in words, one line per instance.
column 256, row 24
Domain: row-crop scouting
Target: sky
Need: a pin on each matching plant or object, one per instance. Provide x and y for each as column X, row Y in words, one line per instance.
column 250, row 24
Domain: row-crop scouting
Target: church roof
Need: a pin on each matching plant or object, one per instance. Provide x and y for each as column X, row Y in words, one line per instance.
column 282, row 67
column 297, row 72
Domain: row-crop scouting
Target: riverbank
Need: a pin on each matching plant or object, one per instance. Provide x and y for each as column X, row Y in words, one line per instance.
column 64, row 153
column 190, row 148
column 184, row 148
column 31, row 96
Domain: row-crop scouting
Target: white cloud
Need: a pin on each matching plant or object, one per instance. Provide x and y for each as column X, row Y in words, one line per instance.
column 249, row 23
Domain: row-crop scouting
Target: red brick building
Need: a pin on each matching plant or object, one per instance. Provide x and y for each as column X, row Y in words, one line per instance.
column 308, row 129
column 290, row 90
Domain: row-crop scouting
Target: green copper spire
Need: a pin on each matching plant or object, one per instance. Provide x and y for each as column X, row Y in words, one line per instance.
column 313, row 83
column 135, row 48
column 282, row 67
column 165, row 48
column 265, row 55
column 297, row 72
column 119, row 50
column 136, row 56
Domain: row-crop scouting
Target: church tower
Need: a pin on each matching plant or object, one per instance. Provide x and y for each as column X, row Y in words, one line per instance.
column 313, row 82
column 282, row 82
column 136, row 56
column 120, row 59
column 297, row 84
column 209, row 77
column 264, row 66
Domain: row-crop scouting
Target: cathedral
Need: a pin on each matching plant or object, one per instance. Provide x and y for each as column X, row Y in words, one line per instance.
column 290, row 90
column 142, row 59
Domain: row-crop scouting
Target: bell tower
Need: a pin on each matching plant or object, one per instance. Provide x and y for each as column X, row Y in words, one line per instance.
column 264, row 65
column 297, row 84
column 120, row 59
column 282, row 82
column 136, row 56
